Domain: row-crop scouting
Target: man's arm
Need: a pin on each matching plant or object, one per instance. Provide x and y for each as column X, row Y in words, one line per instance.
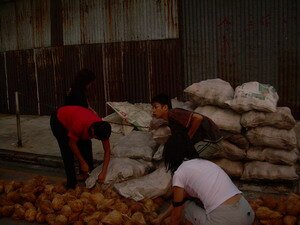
column 83, row 165
column 106, row 147
column 196, row 121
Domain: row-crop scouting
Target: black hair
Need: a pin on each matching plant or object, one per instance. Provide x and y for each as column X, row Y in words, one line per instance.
column 102, row 130
column 177, row 149
column 83, row 78
column 162, row 99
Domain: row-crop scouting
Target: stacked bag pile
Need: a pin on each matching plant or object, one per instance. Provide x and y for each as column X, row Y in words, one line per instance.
column 260, row 141
column 134, row 170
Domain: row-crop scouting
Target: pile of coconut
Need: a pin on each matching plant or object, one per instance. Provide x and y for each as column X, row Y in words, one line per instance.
column 38, row 200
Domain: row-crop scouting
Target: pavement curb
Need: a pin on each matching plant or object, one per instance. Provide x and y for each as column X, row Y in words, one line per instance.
column 31, row 158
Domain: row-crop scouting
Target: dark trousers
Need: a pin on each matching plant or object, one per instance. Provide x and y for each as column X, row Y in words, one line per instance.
column 85, row 147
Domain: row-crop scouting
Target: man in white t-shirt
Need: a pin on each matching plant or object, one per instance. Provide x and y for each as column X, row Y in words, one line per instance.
column 223, row 203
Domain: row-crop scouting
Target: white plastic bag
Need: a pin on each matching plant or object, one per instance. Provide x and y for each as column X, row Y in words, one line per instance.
column 135, row 115
column 152, row 185
column 254, row 96
column 136, row 145
column 119, row 169
column 210, row 92
column 268, row 171
column 275, row 156
column 272, row 137
column 225, row 119
column 281, row 119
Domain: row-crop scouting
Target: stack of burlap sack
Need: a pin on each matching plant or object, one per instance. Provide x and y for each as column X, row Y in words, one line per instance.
column 261, row 143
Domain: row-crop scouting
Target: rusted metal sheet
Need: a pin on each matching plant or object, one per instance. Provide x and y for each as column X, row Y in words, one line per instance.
column 25, row 24
column 8, row 28
column 166, row 68
column 92, row 21
column 241, row 41
column 91, row 57
column 3, row 85
column 21, row 77
column 45, row 79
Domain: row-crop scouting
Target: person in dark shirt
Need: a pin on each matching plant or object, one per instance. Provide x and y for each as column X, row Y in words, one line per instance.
column 72, row 124
column 202, row 131
column 78, row 96
column 78, row 93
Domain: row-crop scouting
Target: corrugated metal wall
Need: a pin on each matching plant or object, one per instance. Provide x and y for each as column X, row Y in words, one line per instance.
column 244, row 40
column 135, row 48
column 27, row 24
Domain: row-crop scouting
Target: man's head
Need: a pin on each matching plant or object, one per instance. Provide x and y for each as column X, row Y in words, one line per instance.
column 101, row 130
column 161, row 104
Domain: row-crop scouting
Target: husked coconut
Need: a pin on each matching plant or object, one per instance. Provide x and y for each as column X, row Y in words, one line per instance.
column 138, row 217
column 76, row 205
column 78, row 223
column 30, row 214
column 96, row 198
column 266, row 213
column 7, row 211
column 46, row 207
column 14, row 196
column 89, row 208
column 58, row 202
column 66, row 210
column 28, row 197
column 40, row 217
column 74, row 216
column 19, row 212
column 106, row 204
column 28, row 205
column 113, row 218
column 61, row 220
column 59, row 188
column 50, row 218
column 99, row 215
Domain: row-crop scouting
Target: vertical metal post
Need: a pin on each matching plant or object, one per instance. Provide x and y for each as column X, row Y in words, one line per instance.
column 18, row 119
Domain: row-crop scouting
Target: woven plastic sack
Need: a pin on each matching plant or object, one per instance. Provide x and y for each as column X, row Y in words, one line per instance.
column 281, row 119
column 272, row 137
column 225, row 119
column 272, row 155
column 152, row 185
column 210, row 92
column 136, row 145
column 267, row 171
column 133, row 114
column 254, row 96
column 232, row 168
column 230, row 151
column 120, row 169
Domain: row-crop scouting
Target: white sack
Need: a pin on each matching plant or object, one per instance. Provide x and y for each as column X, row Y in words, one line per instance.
column 281, row 119
column 225, row 119
column 120, row 169
column 254, row 96
column 152, row 185
column 118, row 125
column 230, row 151
column 268, row 171
column 161, row 134
column 272, row 137
column 275, row 156
column 232, row 168
column 133, row 114
column 182, row 105
column 210, row 92
column 136, row 145
column 158, row 155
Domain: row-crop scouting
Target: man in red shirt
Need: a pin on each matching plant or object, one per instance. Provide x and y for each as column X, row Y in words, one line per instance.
column 72, row 125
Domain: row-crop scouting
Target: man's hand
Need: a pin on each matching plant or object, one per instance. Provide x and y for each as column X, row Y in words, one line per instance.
column 101, row 177
column 84, row 167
